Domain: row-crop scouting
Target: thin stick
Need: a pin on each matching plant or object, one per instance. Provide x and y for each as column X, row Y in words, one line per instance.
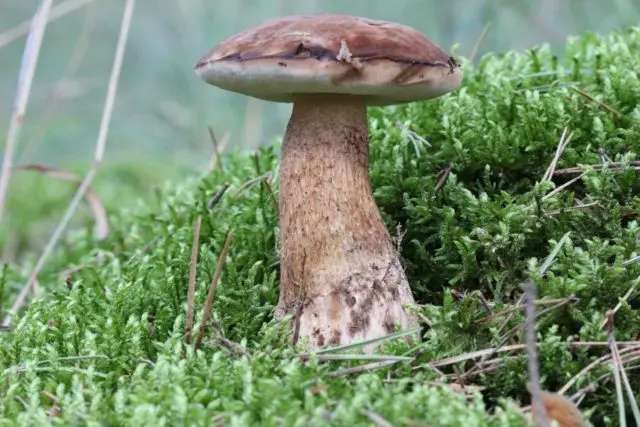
column 618, row 363
column 25, row 79
column 192, row 279
column 99, row 153
column 602, row 104
column 212, row 288
column 562, row 145
column 631, row 349
column 481, row 37
column 612, row 166
column 75, row 61
column 624, row 298
column 617, row 367
column 215, row 159
column 539, row 411
column 58, row 11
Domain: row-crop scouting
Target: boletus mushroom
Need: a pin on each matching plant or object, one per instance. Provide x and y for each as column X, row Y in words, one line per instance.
column 340, row 275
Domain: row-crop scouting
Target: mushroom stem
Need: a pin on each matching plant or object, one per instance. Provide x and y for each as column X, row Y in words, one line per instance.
column 340, row 274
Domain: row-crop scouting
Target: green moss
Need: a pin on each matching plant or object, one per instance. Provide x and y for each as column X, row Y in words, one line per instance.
column 108, row 342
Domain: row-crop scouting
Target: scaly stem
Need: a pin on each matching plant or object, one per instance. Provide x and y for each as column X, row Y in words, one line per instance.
column 340, row 272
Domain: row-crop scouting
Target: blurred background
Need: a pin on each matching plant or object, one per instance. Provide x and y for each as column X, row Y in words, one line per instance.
column 159, row 124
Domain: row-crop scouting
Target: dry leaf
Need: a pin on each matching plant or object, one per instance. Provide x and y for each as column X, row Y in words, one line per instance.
column 563, row 410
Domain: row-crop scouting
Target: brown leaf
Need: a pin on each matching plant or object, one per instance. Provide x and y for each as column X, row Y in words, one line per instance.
column 563, row 410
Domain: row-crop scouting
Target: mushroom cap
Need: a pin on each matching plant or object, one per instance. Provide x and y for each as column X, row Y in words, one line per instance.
column 282, row 59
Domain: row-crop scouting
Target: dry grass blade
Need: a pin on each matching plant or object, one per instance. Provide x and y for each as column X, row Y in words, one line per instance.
column 620, row 376
column 58, row 11
column 617, row 367
column 533, row 368
column 215, row 199
column 481, row 37
column 563, row 186
column 212, row 288
column 99, row 212
column 562, row 145
column 253, row 181
column 362, row 368
column 632, row 349
column 378, row 341
column 376, row 419
column 216, row 159
column 192, row 279
column 542, row 271
column 99, row 151
column 25, row 80
column 611, row 166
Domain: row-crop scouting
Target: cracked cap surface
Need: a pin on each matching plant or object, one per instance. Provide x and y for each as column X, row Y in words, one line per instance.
column 382, row 62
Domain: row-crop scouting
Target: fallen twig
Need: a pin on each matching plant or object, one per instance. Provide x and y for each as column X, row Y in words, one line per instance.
column 600, row 103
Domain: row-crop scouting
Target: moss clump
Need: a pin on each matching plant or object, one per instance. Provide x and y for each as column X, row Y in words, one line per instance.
column 107, row 346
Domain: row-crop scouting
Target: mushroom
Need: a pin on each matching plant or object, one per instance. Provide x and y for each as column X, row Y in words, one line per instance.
column 340, row 274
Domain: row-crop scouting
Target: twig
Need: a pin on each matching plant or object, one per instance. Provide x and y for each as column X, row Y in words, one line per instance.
column 99, row 153
column 443, row 175
column 623, row 299
column 600, row 103
column 272, row 195
column 215, row 199
column 212, row 288
column 192, row 279
column 539, row 411
column 25, row 79
column 253, row 181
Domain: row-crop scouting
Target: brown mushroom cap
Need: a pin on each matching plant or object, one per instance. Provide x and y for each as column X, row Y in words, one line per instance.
column 383, row 62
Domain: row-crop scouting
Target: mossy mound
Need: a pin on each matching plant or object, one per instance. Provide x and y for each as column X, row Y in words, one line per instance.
column 106, row 345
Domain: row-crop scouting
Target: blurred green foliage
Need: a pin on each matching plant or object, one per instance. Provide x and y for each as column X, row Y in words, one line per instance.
column 163, row 108
column 108, row 343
